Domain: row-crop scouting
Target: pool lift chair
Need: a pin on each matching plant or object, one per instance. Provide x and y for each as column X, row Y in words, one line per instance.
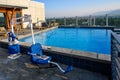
column 14, row 47
column 37, row 56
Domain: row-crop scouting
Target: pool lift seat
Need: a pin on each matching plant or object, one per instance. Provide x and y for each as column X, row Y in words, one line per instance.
column 35, row 51
column 37, row 56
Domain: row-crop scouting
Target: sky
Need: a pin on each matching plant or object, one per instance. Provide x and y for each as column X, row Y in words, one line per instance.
column 70, row 8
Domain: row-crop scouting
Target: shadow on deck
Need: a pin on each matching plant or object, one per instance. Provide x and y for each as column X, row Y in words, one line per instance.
column 17, row 70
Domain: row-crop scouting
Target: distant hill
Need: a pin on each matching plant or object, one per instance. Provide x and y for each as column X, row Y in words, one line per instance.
column 111, row 12
column 117, row 12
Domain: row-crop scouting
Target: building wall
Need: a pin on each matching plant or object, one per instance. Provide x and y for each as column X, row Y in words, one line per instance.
column 15, row 2
column 35, row 9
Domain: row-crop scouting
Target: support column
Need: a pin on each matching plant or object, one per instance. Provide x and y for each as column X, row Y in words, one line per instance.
column 49, row 23
column 54, row 21
column 76, row 21
column 106, row 20
column 64, row 21
column 21, row 19
column 94, row 21
column 90, row 20
column 8, row 17
column 10, row 13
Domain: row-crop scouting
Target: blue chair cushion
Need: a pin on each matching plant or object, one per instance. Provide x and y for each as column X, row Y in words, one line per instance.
column 37, row 60
column 35, row 49
column 14, row 49
column 36, row 54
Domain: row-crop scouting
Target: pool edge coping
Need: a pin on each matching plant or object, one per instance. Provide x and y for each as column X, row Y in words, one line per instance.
column 92, row 56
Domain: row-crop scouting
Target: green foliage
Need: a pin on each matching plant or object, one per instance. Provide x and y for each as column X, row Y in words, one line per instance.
column 100, row 21
column 114, row 21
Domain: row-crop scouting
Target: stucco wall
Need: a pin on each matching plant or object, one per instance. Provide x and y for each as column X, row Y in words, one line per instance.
column 35, row 9
column 15, row 2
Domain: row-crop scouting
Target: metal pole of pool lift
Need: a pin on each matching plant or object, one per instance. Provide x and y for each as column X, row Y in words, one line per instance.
column 12, row 25
column 33, row 40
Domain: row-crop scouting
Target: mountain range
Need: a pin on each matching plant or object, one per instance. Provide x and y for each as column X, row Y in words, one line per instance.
column 111, row 12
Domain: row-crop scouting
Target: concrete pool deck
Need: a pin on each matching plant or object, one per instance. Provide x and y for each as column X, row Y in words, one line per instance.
column 17, row 70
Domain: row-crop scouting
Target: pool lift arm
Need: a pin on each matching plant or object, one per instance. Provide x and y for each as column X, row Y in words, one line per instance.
column 14, row 47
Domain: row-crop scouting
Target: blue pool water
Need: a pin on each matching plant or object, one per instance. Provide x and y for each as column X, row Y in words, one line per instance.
column 91, row 40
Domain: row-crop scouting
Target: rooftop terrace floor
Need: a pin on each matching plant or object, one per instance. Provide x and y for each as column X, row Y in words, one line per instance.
column 17, row 70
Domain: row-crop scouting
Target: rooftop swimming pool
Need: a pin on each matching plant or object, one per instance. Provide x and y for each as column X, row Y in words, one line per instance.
column 85, row 39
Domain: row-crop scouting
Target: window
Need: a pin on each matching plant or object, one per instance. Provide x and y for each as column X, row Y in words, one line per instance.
column 2, row 20
column 18, row 15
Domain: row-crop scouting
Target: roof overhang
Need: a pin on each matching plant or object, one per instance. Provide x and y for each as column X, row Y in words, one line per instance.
column 12, row 6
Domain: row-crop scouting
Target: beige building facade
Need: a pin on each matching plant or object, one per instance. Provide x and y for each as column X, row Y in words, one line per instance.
column 16, row 8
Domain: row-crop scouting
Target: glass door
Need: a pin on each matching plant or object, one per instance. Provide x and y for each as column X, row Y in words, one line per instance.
column 2, row 19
